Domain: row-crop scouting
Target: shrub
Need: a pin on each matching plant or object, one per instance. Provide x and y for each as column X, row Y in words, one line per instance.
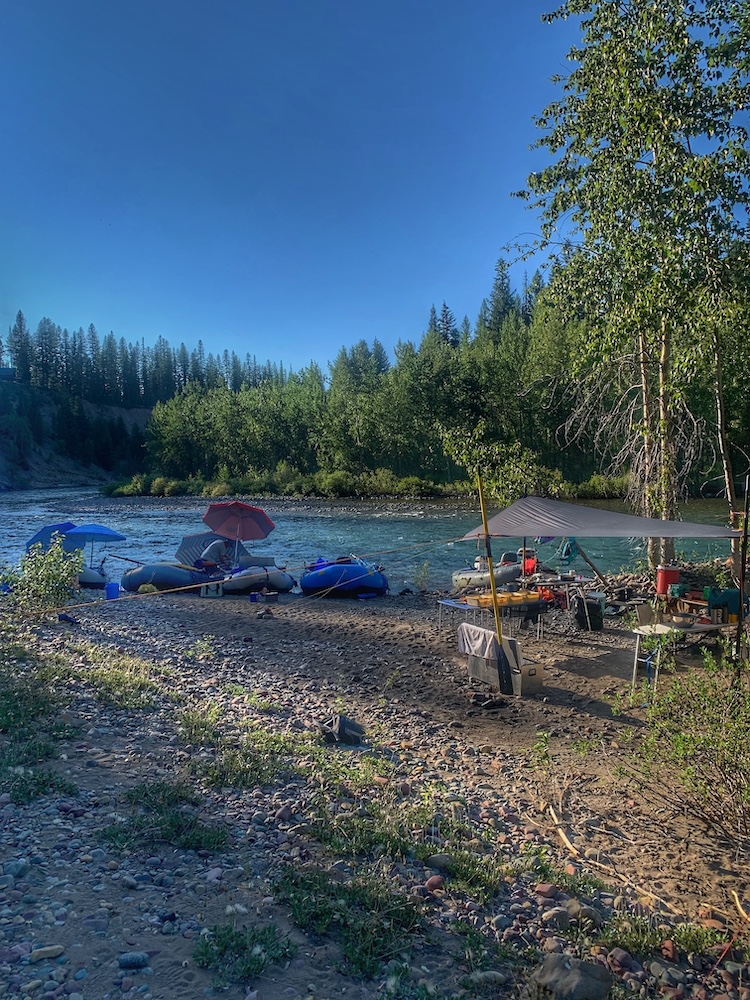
column 698, row 725
column 413, row 486
column 45, row 580
column 337, row 484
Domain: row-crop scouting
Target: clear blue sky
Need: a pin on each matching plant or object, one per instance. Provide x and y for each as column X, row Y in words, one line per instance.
column 281, row 178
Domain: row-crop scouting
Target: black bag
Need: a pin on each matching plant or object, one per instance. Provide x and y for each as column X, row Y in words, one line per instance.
column 587, row 614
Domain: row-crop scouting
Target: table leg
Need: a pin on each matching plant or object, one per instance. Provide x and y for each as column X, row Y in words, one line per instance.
column 636, row 660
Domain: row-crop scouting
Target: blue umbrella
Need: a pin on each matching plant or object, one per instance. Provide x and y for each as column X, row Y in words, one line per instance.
column 77, row 538
column 43, row 537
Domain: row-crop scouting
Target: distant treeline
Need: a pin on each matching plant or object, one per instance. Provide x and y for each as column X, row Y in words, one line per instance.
column 111, row 371
column 367, row 425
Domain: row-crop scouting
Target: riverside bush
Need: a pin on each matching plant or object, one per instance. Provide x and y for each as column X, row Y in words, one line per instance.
column 696, row 749
column 45, row 580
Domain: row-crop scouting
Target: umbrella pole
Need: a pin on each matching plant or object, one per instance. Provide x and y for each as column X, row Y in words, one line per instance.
column 488, row 551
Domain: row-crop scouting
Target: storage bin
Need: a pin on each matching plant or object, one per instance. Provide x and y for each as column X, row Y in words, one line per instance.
column 112, row 590
column 480, row 600
column 528, row 680
column 212, row 590
column 496, row 674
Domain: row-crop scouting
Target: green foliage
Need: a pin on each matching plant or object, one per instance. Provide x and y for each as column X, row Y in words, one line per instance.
column 695, row 939
column 421, row 576
column 241, row 956
column 203, row 648
column 373, row 923
column 27, row 700
column 697, row 732
column 509, row 471
column 199, row 724
column 541, row 756
column 638, row 935
column 649, row 175
column 45, row 580
column 120, row 678
column 25, row 695
column 601, row 487
column 165, row 812
column 536, row 858
column 24, row 784
column 256, row 760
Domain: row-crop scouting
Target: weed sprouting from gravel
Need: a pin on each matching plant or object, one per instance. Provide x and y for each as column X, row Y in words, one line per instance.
column 241, row 955
column 165, row 812
column 372, row 922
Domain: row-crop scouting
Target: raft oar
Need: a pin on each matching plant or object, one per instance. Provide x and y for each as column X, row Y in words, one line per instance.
column 138, row 562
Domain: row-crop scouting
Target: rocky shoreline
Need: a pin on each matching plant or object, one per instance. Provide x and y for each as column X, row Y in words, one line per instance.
column 82, row 919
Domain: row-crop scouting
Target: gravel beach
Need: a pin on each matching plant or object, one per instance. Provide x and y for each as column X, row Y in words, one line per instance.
column 84, row 919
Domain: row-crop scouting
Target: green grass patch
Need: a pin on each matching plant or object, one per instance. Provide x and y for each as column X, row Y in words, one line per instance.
column 165, row 812
column 25, row 696
column 27, row 700
column 122, row 679
column 371, row 923
column 200, row 724
column 240, row 956
column 24, row 784
column 635, row 933
column 535, row 858
column 259, row 759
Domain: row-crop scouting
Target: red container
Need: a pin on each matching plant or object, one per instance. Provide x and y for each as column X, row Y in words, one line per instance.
column 666, row 575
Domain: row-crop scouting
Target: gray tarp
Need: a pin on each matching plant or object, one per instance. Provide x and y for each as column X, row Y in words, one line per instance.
column 538, row 516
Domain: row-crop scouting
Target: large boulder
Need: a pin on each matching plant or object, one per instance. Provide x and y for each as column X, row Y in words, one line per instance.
column 562, row 977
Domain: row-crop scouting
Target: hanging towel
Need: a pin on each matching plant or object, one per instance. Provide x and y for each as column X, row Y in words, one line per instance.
column 477, row 641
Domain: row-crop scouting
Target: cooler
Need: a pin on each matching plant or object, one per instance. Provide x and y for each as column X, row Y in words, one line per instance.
column 665, row 577
column 528, row 680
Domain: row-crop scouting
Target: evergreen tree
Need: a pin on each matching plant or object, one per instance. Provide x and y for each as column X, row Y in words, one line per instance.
column 20, row 348
column 446, row 327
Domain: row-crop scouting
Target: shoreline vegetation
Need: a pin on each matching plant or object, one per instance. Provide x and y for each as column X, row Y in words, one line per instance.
column 334, row 485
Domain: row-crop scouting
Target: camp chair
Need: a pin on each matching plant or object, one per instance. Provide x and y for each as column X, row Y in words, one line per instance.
column 645, row 614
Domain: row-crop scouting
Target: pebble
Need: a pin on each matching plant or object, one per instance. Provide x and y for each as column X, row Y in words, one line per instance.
column 59, row 883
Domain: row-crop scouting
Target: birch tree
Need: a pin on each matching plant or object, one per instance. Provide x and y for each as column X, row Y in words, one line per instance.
column 649, row 184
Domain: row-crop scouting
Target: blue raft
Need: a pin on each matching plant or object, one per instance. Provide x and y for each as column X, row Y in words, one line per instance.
column 347, row 576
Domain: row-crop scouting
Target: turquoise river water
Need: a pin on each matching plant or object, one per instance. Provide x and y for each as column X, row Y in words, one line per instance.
column 413, row 541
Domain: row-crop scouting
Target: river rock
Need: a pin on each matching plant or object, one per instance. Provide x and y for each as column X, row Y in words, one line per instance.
column 133, row 960
column 562, row 977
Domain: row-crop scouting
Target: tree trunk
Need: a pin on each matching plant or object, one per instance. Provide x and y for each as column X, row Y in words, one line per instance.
column 667, row 469
column 723, row 436
column 647, row 508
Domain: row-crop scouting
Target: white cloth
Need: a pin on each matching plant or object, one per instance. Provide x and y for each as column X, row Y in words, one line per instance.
column 478, row 641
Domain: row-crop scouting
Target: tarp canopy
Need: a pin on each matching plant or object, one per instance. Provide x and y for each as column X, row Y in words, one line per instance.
column 534, row 516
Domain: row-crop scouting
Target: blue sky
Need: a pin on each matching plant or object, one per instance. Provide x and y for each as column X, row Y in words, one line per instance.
column 281, row 178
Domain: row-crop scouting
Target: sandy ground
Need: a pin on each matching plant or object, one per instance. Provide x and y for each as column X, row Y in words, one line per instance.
column 402, row 650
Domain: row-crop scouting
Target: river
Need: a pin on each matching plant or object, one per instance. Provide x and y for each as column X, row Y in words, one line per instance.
column 416, row 542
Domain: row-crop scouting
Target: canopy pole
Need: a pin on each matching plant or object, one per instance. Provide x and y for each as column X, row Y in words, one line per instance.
column 488, row 551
